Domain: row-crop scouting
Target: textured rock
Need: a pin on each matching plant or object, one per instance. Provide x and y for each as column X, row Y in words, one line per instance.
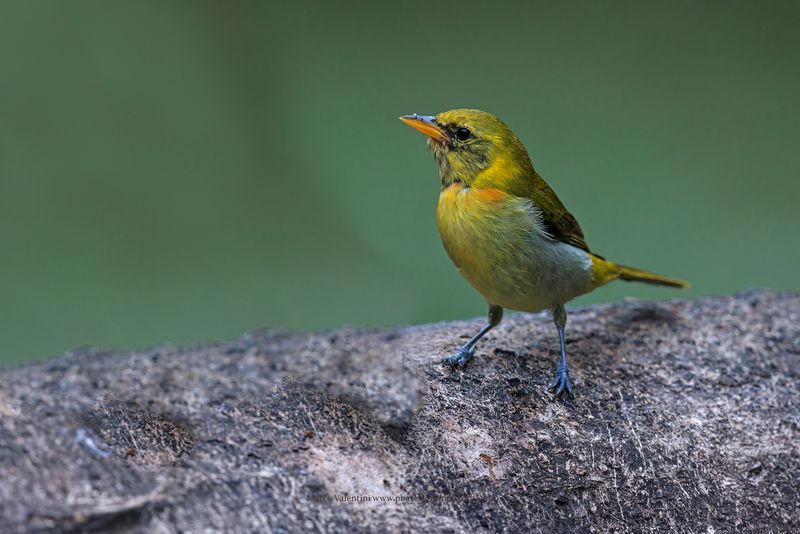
column 685, row 420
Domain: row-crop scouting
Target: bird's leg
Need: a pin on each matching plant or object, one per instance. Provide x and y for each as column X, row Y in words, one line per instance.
column 561, row 383
column 464, row 354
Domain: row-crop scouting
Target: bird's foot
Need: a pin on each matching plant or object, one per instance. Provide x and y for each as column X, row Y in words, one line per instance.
column 561, row 384
column 460, row 358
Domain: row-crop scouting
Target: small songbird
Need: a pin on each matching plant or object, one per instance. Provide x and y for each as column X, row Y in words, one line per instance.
column 507, row 231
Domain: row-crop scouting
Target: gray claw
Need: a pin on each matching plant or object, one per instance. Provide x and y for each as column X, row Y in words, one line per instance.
column 561, row 383
column 460, row 358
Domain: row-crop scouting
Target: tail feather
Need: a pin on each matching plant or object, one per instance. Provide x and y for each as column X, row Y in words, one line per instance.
column 605, row 271
column 631, row 274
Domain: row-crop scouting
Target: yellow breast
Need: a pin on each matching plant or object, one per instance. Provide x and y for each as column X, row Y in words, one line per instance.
column 497, row 243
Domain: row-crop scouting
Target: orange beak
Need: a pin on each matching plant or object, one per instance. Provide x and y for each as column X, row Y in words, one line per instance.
column 427, row 125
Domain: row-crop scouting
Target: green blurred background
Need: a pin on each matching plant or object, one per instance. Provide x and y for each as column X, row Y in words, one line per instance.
column 183, row 171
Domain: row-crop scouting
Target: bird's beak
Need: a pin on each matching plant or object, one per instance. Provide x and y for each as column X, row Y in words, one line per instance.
column 427, row 125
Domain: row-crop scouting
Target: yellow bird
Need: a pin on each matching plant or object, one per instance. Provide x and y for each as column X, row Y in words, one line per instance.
column 507, row 231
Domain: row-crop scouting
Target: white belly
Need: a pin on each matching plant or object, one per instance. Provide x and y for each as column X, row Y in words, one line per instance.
column 551, row 273
column 504, row 253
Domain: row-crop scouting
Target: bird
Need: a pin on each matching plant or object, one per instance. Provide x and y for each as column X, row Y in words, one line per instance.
column 507, row 232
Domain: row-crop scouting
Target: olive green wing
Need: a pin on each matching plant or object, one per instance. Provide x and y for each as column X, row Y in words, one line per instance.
column 558, row 222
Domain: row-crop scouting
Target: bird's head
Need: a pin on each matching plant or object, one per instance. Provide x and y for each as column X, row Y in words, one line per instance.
column 473, row 147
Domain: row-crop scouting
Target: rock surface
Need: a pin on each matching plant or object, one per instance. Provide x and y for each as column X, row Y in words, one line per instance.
column 685, row 420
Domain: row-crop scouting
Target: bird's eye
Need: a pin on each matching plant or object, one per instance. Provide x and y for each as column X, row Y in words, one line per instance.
column 462, row 134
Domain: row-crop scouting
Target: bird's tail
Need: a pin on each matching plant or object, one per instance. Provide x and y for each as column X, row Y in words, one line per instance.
column 606, row 271
column 637, row 275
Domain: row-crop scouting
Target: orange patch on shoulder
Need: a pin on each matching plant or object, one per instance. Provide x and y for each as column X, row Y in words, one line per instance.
column 490, row 194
